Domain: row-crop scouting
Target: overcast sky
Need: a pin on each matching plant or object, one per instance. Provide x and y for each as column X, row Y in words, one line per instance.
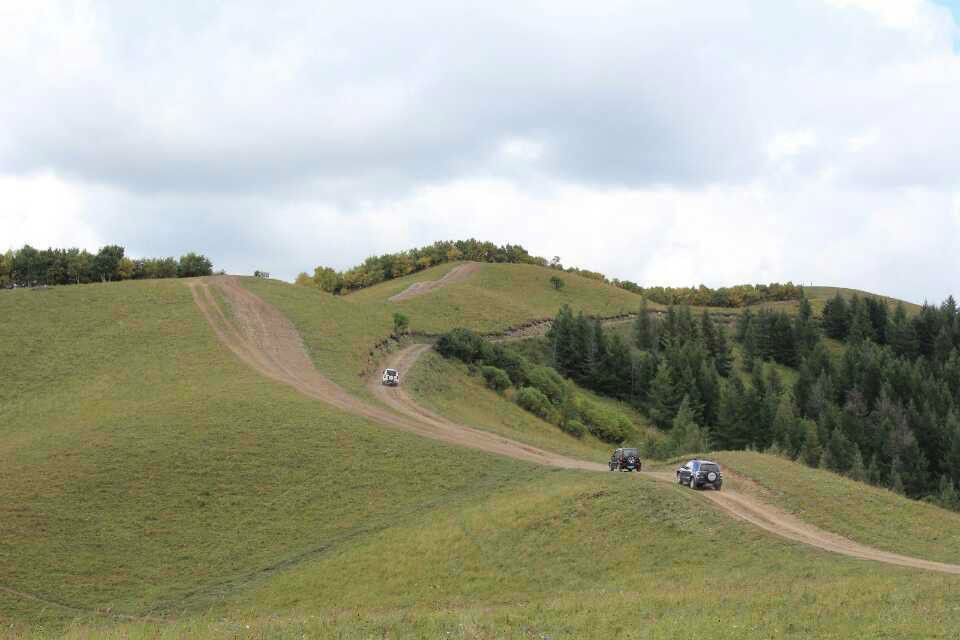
column 662, row 141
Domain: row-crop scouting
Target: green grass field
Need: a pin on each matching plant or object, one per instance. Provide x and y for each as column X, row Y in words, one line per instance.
column 145, row 470
column 574, row 555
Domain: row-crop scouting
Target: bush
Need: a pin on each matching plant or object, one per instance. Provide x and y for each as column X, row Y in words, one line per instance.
column 536, row 403
column 464, row 345
column 606, row 424
column 497, row 379
column 400, row 324
column 574, row 428
column 548, row 381
column 516, row 366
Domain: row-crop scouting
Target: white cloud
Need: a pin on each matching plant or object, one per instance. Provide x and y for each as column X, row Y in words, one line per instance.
column 661, row 141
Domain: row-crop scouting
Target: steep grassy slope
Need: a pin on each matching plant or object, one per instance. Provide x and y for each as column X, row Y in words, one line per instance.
column 445, row 387
column 582, row 556
column 144, row 469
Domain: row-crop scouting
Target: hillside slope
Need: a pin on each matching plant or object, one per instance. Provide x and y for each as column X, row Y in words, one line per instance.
column 146, row 467
column 145, row 470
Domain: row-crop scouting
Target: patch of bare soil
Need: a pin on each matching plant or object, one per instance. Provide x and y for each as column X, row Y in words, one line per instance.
column 457, row 274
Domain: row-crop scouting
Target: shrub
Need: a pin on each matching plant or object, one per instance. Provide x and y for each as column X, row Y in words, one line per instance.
column 606, row 424
column 574, row 428
column 462, row 344
column 497, row 379
column 548, row 381
column 401, row 324
column 536, row 403
column 516, row 366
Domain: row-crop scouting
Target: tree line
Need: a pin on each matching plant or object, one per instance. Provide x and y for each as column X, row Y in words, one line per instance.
column 377, row 269
column 30, row 267
column 741, row 295
column 884, row 408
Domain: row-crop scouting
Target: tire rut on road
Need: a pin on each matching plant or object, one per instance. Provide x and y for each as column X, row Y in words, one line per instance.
column 266, row 340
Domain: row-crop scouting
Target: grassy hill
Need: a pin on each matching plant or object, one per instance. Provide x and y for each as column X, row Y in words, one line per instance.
column 579, row 556
column 145, row 470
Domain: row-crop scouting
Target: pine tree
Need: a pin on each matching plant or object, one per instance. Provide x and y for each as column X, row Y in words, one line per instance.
column 951, row 459
column 902, row 335
column 561, row 335
column 804, row 328
column 943, row 345
column 751, row 347
column 948, row 494
column 839, row 452
column 785, row 427
column 874, row 474
column 732, row 430
column 836, row 318
column 896, row 481
column 664, row 397
column 811, row 451
column 857, row 471
column 686, row 436
column 860, row 326
column 644, row 329
column 743, row 323
column 715, row 342
column 584, row 349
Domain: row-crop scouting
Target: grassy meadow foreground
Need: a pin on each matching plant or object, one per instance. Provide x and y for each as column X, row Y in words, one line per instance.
column 146, row 472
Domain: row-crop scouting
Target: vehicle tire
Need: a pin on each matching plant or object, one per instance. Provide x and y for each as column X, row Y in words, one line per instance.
column 717, row 486
column 693, row 483
column 679, row 480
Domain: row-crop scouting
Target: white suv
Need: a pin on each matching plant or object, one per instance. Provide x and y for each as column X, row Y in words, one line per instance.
column 391, row 377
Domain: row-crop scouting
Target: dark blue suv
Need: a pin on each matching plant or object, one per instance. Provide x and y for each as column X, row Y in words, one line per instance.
column 697, row 474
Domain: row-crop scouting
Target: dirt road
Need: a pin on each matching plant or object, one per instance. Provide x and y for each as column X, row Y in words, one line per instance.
column 457, row 274
column 267, row 341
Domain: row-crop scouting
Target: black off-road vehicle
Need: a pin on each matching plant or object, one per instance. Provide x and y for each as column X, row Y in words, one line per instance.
column 697, row 474
column 625, row 460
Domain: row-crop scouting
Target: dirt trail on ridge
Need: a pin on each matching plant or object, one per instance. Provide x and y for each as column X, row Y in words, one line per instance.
column 266, row 340
column 457, row 274
column 788, row 526
column 262, row 337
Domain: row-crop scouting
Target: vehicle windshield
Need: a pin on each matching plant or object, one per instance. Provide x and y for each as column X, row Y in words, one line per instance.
column 391, row 372
column 630, row 452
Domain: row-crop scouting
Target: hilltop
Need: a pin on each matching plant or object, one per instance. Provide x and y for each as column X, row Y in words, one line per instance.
column 175, row 462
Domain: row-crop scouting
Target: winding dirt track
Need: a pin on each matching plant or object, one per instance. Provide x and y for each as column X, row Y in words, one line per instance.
column 267, row 341
column 457, row 274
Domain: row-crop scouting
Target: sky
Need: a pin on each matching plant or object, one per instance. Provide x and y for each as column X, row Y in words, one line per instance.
column 668, row 142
